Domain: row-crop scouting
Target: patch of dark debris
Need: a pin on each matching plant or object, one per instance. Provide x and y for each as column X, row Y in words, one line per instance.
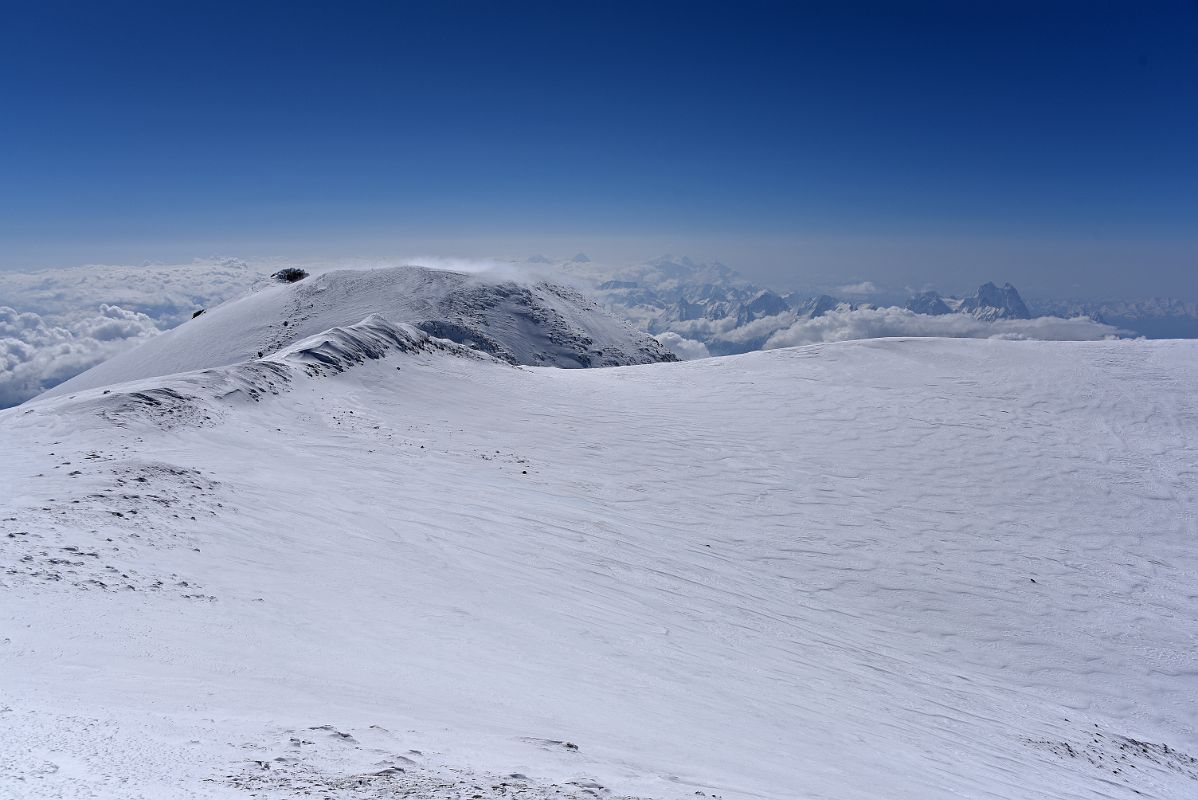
column 1123, row 758
column 90, row 542
column 29, row 560
column 289, row 275
column 400, row 777
column 323, row 761
column 165, row 407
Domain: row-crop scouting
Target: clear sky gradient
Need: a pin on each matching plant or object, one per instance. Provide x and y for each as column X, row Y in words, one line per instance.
column 919, row 142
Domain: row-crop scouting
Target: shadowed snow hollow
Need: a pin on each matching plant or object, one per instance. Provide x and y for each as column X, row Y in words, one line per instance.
column 541, row 325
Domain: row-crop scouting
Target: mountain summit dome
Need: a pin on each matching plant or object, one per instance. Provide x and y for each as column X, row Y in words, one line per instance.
column 529, row 323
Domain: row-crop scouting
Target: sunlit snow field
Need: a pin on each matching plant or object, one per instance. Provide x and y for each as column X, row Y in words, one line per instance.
column 881, row 569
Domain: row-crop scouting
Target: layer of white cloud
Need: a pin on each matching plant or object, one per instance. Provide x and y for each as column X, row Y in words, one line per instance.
column 874, row 323
column 167, row 293
column 686, row 349
column 725, row 329
column 57, row 323
column 36, row 354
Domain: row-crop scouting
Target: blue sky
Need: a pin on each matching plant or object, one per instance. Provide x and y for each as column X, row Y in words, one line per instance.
column 902, row 142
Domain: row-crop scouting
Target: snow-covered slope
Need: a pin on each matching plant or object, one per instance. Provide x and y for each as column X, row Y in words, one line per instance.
column 542, row 324
column 372, row 564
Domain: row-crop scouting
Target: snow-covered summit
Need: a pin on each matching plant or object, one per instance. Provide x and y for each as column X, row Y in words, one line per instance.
column 535, row 323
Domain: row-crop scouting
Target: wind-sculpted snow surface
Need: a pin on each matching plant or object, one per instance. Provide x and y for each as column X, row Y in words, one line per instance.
column 199, row 397
column 881, row 569
column 542, row 324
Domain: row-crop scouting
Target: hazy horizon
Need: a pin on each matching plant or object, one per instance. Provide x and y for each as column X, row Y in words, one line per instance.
column 1158, row 269
column 922, row 144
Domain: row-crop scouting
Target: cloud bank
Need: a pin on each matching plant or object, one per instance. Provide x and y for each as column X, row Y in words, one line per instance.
column 686, row 349
column 872, row 323
column 36, row 354
column 167, row 293
column 57, row 323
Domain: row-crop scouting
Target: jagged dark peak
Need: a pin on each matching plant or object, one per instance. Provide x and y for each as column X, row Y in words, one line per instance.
column 992, row 302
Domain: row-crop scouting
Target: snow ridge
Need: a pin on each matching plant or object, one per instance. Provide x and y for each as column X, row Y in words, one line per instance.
column 195, row 398
column 339, row 349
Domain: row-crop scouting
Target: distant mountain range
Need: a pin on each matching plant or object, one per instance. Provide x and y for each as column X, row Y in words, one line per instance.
column 1153, row 318
column 710, row 303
